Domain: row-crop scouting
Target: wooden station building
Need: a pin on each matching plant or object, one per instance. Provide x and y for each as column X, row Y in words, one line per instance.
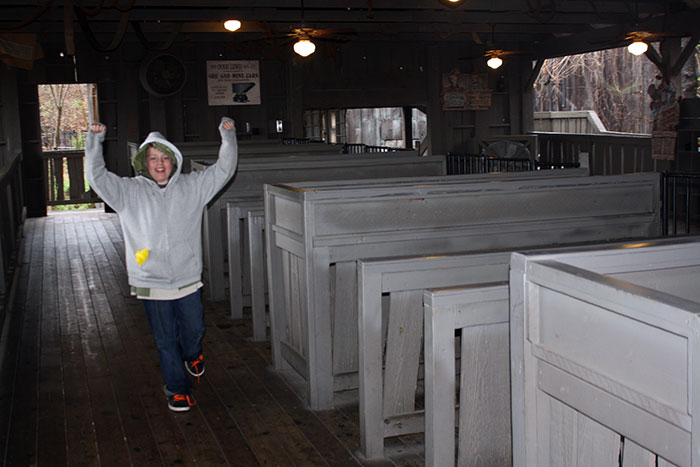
column 79, row 374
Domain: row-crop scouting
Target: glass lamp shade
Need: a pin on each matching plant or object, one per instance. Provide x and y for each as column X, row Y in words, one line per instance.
column 304, row 47
column 232, row 25
column 494, row 62
column 637, row 47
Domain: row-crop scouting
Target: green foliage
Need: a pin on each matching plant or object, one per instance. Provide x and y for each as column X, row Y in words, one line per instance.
column 78, row 141
column 74, row 207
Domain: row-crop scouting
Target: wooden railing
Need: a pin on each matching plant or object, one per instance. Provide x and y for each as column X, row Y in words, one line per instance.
column 11, row 217
column 609, row 154
column 65, row 178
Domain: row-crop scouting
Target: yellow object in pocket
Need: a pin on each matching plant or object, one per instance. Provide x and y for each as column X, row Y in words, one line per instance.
column 141, row 256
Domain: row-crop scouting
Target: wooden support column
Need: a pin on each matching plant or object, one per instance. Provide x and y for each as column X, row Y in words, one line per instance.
column 295, row 100
column 408, row 127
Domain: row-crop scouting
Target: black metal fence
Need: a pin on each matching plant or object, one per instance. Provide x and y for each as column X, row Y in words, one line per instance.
column 462, row 164
column 680, row 205
column 360, row 148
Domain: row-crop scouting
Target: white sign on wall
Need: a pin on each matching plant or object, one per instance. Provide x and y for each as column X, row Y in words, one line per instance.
column 233, row 82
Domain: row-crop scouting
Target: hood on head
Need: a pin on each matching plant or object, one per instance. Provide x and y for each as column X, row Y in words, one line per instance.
column 138, row 161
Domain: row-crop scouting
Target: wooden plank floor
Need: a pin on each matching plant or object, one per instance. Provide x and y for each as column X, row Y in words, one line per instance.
column 80, row 382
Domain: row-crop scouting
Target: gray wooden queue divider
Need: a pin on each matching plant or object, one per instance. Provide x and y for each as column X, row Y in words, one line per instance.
column 256, row 265
column 253, row 173
column 387, row 397
column 480, row 312
column 604, row 353
column 239, row 272
column 309, row 228
column 257, row 289
column 249, row 150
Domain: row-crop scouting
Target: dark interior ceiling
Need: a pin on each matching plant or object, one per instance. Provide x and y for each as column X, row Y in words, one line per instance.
column 542, row 28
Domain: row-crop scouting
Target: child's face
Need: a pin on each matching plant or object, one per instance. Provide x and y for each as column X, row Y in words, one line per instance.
column 159, row 165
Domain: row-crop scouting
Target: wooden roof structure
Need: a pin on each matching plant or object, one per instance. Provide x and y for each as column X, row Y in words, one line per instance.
column 538, row 28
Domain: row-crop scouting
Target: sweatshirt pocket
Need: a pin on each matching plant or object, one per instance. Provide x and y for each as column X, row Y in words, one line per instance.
column 185, row 261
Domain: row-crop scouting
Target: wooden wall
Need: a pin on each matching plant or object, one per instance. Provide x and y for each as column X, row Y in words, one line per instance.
column 352, row 75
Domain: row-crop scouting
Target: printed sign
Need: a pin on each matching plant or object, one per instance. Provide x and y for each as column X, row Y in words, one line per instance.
column 465, row 91
column 233, row 82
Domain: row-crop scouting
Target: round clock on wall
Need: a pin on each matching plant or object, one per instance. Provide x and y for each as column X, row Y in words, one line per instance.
column 162, row 75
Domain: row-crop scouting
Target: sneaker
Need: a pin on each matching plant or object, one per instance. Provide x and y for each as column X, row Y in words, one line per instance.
column 196, row 367
column 180, row 403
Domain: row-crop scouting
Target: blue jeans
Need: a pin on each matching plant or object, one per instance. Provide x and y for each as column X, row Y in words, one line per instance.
column 178, row 327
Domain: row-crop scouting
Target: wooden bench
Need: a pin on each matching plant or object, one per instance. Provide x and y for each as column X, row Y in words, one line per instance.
column 604, row 357
column 252, row 174
column 309, row 228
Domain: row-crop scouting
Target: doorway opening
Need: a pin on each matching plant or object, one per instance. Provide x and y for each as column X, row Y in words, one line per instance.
column 65, row 111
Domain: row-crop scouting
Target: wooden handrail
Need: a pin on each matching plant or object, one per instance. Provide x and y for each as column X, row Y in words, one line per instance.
column 7, row 172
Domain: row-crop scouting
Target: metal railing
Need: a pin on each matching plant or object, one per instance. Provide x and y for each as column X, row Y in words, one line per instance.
column 680, row 205
column 360, row 148
column 462, row 164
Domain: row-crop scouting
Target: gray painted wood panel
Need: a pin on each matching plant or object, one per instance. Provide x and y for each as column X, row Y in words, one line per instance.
column 642, row 393
column 256, row 266
column 349, row 221
column 253, row 173
column 387, row 275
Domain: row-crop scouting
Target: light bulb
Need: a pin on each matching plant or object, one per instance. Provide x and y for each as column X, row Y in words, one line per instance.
column 637, row 47
column 494, row 62
column 304, row 47
column 232, row 25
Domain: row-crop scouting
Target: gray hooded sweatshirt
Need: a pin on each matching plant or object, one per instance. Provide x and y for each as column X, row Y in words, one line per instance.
column 162, row 227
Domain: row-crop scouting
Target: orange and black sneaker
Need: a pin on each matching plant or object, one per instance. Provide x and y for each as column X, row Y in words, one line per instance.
column 196, row 366
column 180, row 402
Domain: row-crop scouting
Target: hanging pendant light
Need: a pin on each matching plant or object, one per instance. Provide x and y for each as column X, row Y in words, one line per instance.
column 494, row 60
column 232, row 25
column 639, row 43
column 638, row 47
column 304, row 47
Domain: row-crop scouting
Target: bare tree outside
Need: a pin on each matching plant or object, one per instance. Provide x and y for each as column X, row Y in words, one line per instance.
column 64, row 115
column 613, row 83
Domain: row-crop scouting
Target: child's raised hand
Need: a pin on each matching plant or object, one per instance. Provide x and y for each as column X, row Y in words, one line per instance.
column 97, row 127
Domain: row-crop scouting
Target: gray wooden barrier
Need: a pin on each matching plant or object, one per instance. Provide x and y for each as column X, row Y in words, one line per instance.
column 390, row 339
column 309, row 228
column 209, row 150
column 258, row 288
column 480, row 314
column 604, row 359
column 253, row 173
column 256, row 265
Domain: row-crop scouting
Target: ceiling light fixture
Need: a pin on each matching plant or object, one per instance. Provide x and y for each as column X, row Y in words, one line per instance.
column 637, row 47
column 304, row 47
column 494, row 60
column 639, row 43
column 232, row 25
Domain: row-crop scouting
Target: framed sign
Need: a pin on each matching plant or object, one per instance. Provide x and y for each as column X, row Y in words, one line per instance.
column 233, row 82
column 465, row 91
